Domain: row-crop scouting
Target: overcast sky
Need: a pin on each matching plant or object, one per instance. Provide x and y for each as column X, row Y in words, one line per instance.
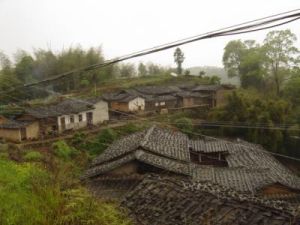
column 125, row 26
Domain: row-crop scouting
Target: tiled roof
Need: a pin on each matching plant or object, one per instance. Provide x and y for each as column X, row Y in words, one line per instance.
column 250, row 167
column 157, row 90
column 207, row 87
column 170, row 201
column 11, row 124
column 69, row 106
column 192, row 94
column 158, row 147
column 201, row 145
column 158, row 98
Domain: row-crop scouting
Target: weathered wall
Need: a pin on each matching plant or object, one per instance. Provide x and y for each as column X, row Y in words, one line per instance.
column 3, row 119
column 32, row 131
column 136, row 104
column 188, row 102
column 100, row 112
column 76, row 124
column 120, row 106
column 10, row 134
column 128, row 168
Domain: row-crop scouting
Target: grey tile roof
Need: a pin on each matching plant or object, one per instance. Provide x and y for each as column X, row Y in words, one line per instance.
column 201, row 145
column 69, row 106
column 12, row 124
column 170, row 201
column 207, row 87
column 250, row 167
column 122, row 96
column 191, row 94
column 163, row 163
column 157, row 90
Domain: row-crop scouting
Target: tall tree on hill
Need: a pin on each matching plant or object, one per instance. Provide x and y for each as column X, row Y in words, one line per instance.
column 280, row 55
column 178, row 59
column 245, row 60
column 142, row 69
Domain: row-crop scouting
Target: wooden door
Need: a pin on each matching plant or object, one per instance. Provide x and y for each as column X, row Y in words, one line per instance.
column 23, row 133
column 89, row 118
column 63, row 123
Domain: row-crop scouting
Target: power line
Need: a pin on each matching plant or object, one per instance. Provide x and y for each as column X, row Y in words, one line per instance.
column 220, row 32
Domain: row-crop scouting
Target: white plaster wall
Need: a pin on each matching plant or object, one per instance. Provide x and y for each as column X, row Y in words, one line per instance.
column 100, row 113
column 134, row 104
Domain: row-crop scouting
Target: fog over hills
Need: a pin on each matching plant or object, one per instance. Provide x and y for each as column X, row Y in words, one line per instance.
column 217, row 71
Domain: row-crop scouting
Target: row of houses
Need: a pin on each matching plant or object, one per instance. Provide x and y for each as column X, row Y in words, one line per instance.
column 161, row 99
column 37, row 123
column 71, row 114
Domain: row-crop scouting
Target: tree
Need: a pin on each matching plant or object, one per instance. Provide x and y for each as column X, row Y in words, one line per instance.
column 246, row 61
column 142, row 70
column 201, row 73
column 280, row 54
column 178, row 59
column 187, row 72
column 127, row 70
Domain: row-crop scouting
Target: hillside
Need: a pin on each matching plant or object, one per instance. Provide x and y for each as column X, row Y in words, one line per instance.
column 217, row 71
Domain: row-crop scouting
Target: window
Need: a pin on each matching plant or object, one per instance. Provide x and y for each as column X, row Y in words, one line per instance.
column 156, row 104
column 162, row 103
column 72, row 119
column 80, row 117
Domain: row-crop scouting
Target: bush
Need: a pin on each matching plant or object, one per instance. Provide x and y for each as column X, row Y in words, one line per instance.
column 184, row 124
column 32, row 196
column 33, row 156
column 79, row 139
column 63, row 151
column 101, row 142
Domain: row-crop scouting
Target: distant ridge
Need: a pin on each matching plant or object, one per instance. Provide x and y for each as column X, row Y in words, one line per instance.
column 217, row 71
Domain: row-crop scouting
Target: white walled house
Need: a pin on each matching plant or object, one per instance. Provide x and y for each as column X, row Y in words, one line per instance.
column 97, row 114
column 136, row 104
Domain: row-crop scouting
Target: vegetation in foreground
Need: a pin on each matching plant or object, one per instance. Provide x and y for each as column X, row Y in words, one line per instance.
column 43, row 187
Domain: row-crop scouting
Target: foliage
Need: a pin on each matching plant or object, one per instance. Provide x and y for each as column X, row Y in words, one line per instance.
column 178, row 59
column 262, row 66
column 250, row 109
column 184, row 124
column 98, row 144
column 33, row 156
column 280, row 54
column 292, row 89
column 63, row 151
column 32, row 196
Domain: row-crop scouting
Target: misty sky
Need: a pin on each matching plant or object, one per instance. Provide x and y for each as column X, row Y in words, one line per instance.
column 125, row 26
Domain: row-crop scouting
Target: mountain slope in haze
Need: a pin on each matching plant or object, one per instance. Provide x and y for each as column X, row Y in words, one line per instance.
column 217, row 71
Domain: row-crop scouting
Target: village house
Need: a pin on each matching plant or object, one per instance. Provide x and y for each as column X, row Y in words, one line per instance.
column 240, row 166
column 17, row 131
column 69, row 114
column 159, row 98
column 216, row 93
column 125, row 101
column 189, row 99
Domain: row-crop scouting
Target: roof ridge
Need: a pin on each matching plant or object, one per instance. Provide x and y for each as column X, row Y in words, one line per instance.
column 146, row 137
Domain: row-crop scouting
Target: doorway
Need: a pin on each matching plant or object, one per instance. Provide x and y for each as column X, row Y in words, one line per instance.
column 89, row 118
column 63, row 123
column 23, row 133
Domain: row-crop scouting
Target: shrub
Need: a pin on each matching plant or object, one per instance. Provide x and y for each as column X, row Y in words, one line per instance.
column 63, row 151
column 184, row 124
column 101, row 142
column 31, row 196
column 78, row 139
column 33, row 156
